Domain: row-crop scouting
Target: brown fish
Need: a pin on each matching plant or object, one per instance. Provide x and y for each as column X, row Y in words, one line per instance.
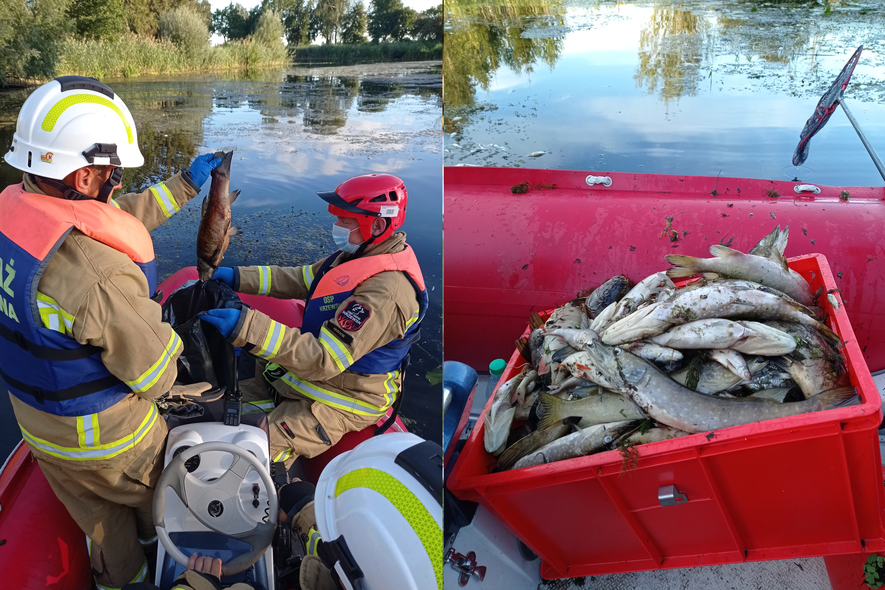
column 215, row 228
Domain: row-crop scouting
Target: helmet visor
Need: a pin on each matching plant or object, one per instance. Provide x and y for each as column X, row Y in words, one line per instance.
column 335, row 200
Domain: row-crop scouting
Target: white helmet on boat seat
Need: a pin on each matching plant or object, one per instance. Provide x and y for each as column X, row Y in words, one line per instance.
column 70, row 123
column 379, row 511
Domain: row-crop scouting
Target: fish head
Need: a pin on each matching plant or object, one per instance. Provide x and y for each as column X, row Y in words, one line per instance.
column 578, row 339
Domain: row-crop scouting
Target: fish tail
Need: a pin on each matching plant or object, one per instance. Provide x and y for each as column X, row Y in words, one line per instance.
column 224, row 167
column 839, row 397
column 549, row 407
column 683, row 266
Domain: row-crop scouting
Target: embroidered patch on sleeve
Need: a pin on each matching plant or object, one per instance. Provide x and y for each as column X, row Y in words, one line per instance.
column 353, row 316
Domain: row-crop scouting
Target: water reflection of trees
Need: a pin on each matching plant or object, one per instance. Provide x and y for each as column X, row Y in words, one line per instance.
column 484, row 37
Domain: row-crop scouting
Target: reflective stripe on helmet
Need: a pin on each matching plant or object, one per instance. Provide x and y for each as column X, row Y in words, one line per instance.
column 64, row 104
column 408, row 505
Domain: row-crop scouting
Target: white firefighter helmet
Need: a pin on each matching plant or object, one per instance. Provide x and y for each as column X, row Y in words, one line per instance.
column 73, row 122
column 379, row 511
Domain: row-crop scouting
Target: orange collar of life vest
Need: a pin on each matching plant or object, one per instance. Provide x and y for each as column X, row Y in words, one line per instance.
column 345, row 277
column 36, row 222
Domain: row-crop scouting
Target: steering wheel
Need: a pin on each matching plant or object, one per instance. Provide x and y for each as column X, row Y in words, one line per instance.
column 217, row 503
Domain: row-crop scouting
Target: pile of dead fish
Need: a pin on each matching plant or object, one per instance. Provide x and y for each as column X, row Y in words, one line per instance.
column 627, row 366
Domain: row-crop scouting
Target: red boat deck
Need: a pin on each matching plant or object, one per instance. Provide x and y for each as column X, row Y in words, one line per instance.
column 507, row 255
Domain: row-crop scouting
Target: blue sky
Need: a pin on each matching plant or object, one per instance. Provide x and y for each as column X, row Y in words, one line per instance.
column 418, row 5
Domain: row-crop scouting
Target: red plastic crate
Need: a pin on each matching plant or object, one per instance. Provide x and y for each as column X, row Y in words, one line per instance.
column 792, row 487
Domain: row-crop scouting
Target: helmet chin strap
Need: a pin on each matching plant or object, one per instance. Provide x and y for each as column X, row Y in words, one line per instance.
column 71, row 194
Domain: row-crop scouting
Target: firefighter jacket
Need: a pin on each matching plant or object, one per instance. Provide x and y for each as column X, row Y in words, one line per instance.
column 83, row 348
column 361, row 317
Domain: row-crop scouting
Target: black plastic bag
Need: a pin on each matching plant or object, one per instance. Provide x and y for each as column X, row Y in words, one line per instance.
column 207, row 356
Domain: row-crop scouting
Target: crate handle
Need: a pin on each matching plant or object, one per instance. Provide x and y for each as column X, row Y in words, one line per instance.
column 670, row 496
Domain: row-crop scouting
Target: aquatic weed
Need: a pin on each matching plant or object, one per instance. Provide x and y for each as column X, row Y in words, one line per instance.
column 845, row 195
column 629, row 457
column 772, row 193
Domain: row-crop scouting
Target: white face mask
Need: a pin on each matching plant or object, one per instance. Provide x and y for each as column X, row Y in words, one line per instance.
column 341, row 237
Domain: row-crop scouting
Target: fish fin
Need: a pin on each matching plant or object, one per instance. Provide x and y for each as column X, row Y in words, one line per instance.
column 548, row 410
column 543, row 368
column 780, row 243
column 233, row 196
column 839, row 397
column 561, row 354
column 827, row 332
column 529, row 444
column 721, row 251
column 683, row 266
column 204, row 207
column 535, row 320
column 780, row 259
column 234, row 231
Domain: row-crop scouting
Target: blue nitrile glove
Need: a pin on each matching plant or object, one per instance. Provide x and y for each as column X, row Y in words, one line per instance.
column 202, row 167
column 224, row 319
column 225, row 274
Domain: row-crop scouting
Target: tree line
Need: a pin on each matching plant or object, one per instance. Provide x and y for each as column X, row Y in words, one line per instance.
column 336, row 21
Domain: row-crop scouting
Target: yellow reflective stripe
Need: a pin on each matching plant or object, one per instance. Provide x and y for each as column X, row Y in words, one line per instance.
column 332, row 399
column 150, row 377
column 413, row 319
column 64, row 104
column 102, row 451
column 114, row 203
column 336, row 348
column 263, row 405
column 87, row 431
column 164, row 199
column 313, row 539
column 307, row 273
column 282, row 456
column 390, row 388
column 408, row 505
column 263, row 280
column 272, row 340
column 53, row 316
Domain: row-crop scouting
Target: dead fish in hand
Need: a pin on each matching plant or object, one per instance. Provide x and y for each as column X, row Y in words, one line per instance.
column 215, row 228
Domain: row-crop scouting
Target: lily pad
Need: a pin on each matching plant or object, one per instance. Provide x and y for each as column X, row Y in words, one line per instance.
column 435, row 376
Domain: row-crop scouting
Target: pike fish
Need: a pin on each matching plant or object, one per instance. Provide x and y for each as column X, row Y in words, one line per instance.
column 578, row 444
column 215, row 228
column 593, row 409
column 772, row 272
column 499, row 417
column 776, row 240
column 735, row 299
column 664, row 400
column 645, row 291
column 714, row 377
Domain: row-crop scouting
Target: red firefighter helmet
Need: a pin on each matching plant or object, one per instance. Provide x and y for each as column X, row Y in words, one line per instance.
column 367, row 197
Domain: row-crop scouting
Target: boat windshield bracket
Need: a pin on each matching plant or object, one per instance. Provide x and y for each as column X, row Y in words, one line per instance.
column 603, row 180
column 466, row 564
column 806, row 188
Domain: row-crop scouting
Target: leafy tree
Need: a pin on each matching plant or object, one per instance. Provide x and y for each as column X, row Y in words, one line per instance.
column 330, row 14
column 142, row 16
column 30, row 34
column 353, row 26
column 185, row 27
column 385, row 20
column 269, row 31
column 98, row 19
column 429, row 25
column 408, row 18
column 231, row 22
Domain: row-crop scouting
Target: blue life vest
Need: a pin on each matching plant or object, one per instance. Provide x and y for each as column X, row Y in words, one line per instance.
column 44, row 368
column 332, row 286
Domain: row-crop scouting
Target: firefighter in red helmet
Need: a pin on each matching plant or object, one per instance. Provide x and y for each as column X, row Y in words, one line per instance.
column 343, row 369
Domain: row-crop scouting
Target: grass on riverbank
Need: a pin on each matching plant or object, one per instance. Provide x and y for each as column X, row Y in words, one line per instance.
column 368, row 53
column 137, row 56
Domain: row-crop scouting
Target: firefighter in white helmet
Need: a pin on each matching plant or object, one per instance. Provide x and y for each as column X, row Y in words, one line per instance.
column 83, row 350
